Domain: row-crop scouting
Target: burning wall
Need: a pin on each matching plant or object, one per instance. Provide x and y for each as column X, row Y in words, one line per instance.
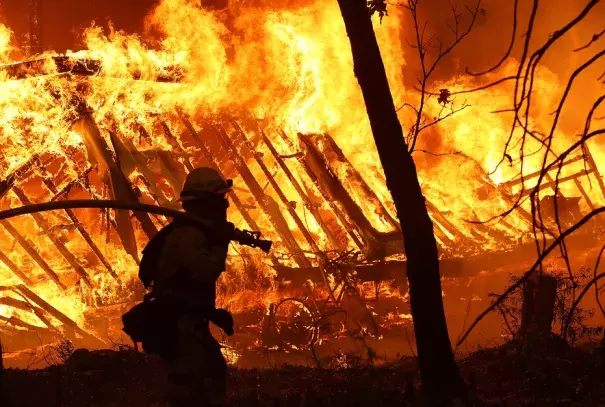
column 266, row 95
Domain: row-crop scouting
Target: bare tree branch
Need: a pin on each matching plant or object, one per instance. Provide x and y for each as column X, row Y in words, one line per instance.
column 533, row 268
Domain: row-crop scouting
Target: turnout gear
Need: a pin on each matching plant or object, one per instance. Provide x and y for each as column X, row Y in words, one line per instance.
column 181, row 265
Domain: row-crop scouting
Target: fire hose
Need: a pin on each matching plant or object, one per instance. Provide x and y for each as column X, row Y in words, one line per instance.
column 243, row 237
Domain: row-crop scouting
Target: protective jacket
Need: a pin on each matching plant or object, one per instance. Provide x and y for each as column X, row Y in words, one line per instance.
column 189, row 265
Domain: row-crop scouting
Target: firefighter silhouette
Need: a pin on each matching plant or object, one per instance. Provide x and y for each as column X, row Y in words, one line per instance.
column 181, row 265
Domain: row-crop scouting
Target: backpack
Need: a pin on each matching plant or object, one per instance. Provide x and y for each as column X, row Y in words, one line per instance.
column 151, row 255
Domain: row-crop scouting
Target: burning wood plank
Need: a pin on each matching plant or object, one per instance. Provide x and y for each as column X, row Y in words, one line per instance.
column 378, row 244
column 212, row 162
column 14, row 268
column 32, row 253
column 83, row 232
column 64, row 319
column 352, row 232
column 264, row 200
column 44, row 225
column 305, row 198
column 81, row 67
column 334, row 155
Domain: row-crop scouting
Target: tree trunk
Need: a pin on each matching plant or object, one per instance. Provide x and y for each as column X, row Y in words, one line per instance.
column 441, row 379
column 539, row 296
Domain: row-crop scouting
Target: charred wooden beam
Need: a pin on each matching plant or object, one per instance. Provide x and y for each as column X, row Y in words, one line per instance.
column 60, row 194
column 14, row 321
column 536, row 174
column 443, row 222
column 280, row 194
column 308, row 204
column 212, row 162
column 554, row 183
column 594, row 168
column 64, row 319
column 378, row 244
column 32, row 253
column 170, row 172
column 138, row 160
column 337, row 156
column 80, row 67
column 270, row 208
column 176, row 144
column 352, row 232
column 72, row 216
column 43, row 224
column 14, row 268
column 307, row 235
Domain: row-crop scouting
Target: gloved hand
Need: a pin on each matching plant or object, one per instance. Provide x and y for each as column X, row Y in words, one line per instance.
column 223, row 319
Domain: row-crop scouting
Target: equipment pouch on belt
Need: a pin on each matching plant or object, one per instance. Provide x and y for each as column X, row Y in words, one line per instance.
column 154, row 324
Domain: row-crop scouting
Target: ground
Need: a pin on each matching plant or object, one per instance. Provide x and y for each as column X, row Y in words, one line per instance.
column 555, row 376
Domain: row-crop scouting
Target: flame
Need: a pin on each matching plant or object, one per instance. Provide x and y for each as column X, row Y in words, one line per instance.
column 285, row 69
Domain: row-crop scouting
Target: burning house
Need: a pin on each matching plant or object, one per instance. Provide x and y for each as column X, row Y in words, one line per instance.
column 127, row 118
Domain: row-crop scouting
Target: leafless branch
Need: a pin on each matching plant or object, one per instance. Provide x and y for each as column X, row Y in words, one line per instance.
column 587, row 287
column 423, row 45
column 533, row 268
column 594, row 39
column 437, row 154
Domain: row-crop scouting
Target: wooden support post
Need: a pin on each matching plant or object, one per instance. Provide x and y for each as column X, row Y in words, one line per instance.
column 32, row 253
column 335, row 209
column 308, row 204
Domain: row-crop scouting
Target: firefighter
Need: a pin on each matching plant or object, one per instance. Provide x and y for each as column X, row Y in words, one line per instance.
column 190, row 261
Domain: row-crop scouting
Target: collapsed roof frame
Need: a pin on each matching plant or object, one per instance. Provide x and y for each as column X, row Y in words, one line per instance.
column 240, row 148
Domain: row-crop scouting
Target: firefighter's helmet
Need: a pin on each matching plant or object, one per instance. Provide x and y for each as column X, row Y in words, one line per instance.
column 203, row 182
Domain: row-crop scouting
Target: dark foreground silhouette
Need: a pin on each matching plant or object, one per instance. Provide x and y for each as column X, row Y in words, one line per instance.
column 500, row 377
